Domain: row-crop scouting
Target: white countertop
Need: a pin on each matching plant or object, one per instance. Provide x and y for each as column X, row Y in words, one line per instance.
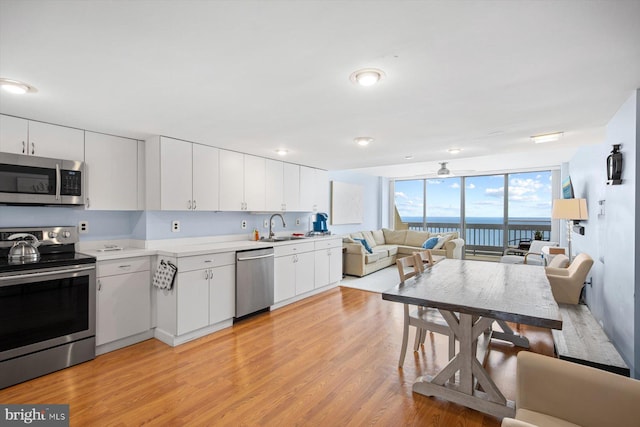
column 184, row 249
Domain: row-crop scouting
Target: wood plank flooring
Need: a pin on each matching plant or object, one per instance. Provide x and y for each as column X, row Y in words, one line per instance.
column 329, row 360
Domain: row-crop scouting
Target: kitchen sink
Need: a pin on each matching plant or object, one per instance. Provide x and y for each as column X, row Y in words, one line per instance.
column 283, row 239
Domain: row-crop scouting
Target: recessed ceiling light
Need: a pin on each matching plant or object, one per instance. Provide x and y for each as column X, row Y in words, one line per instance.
column 547, row 137
column 363, row 140
column 15, row 86
column 367, row 76
column 282, row 152
column 454, row 150
column 409, row 157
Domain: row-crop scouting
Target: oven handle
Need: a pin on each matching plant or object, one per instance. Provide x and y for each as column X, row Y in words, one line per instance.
column 46, row 273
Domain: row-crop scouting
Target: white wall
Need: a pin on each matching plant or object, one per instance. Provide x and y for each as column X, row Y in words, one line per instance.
column 375, row 191
column 610, row 236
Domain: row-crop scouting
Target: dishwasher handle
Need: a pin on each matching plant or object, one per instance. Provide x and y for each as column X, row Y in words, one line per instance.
column 255, row 257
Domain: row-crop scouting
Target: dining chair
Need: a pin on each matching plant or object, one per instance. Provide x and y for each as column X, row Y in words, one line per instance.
column 427, row 259
column 423, row 318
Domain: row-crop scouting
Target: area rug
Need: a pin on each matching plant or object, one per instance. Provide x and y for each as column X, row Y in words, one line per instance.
column 377, row 282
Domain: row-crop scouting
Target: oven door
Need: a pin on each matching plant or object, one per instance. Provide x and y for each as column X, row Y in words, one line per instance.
column 44, row 308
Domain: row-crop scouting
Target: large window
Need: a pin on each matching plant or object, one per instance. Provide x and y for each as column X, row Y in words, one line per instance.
column 491, row 212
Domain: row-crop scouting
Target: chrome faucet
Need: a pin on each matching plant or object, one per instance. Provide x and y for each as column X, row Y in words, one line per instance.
column 271, row 233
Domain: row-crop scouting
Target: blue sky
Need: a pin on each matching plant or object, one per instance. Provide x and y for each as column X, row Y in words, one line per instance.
column 529, row 196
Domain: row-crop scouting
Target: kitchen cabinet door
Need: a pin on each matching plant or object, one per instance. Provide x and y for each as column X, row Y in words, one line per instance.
column 205, row 178
column 284, row 271
column 335, row 264
column 254, row 183
column 321, row 267
column 291, row 190
column 321, row 192
column 54, row 141
column 231, row 181
column 123, row 306
column 193, row 301
column 222, row 293
column 307, row 187
column 13, row 134
column 274, row 186
column 176, row 175
column 111, row 168
column 305, row 277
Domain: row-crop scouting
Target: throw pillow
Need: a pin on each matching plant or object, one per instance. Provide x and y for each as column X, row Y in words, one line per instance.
column 430, row 243
column 441, row 241
column 365, row 244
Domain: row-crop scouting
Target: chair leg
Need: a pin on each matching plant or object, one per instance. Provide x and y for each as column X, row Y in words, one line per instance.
column 452, row 346
column 405, row 335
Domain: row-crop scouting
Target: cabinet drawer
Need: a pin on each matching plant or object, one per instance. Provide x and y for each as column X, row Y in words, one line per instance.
column 328, row 243
column 200, row 262
column 284, row 250
column 122, row 266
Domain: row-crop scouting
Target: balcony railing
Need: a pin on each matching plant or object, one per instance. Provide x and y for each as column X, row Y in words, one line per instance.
column 488, row 239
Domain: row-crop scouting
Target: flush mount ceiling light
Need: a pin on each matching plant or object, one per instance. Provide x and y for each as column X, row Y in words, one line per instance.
column 443, row 171
column 16, row 87
column 547, row 137
column 454, row 150
column 367, row 76
column 282, row 152
column 363, row 141
column 409, row 157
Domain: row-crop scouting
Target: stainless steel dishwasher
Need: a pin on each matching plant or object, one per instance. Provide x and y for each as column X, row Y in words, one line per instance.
column 254, row 281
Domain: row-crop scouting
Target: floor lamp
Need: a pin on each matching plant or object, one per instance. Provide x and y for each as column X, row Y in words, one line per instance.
column 570, row 210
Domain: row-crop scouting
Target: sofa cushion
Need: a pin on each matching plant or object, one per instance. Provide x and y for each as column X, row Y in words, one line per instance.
column 371, row 258
column 378, row 236
column 416, row 238
column 430, row 243
column 394, row 237
column 369, row 238
column 365, row 244
column 357, row 235
column 445, row 238
column 347, row 239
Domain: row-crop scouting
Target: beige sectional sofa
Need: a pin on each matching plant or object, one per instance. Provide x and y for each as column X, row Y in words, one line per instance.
column 388, row 245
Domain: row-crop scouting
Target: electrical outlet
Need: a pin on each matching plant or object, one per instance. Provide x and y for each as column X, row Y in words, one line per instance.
column 297, row 221
column 266, row 223
column 243, row 224
column 83, row 227
column 175, row 226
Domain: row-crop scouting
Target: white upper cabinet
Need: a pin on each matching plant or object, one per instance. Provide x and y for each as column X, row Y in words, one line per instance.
column 254, row 182
column 31, row 138
column 180, row 175
column 205, row 178
column 231, row 181
column 111, row 172
column 242, row 182
column 274, row 190
column 314, row 189
column 291, row 187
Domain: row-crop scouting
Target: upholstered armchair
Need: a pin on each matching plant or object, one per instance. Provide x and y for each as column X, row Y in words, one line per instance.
column 567, row 283
column 554, row 392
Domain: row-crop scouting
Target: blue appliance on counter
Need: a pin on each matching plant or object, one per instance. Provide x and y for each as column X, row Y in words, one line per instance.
column 320, row 224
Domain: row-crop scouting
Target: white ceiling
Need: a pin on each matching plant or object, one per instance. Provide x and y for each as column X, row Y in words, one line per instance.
column 255, row 76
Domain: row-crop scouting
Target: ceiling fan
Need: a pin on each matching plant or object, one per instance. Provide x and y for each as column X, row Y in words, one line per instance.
column 445, row 172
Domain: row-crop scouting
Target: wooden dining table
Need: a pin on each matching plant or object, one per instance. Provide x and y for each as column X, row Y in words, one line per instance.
column 475, row 298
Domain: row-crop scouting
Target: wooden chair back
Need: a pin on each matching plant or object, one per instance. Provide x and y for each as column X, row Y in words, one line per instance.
column 407, row 267
column 423, row 259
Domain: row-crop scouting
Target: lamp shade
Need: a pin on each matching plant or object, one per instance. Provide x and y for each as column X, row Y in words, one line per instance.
column 575, row 209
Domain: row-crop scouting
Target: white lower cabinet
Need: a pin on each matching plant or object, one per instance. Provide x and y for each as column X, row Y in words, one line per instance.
column 328, row 261
column 202, row 296
column 293, row 270
column 123, row 306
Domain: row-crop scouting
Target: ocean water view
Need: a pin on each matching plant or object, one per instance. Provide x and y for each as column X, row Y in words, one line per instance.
column 486, row 232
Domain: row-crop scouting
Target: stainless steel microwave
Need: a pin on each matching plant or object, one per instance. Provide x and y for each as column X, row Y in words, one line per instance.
column 31, row 180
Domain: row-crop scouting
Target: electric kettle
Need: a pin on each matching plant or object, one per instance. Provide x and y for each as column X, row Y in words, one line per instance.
column 24, row 251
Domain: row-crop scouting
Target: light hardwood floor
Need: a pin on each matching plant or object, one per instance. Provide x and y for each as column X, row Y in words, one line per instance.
column 329, row 360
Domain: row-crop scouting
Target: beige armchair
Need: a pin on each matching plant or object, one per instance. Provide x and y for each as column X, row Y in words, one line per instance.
column 567, row 283
column 554, row 392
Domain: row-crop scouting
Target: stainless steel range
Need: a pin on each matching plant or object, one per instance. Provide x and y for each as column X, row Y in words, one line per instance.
column 47, row 302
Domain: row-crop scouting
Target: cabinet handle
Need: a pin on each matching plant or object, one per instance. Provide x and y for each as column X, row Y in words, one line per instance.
column 125, row 267
column 194, row 204
column 189, row 204
column 88, row 202
column 206, row 274
column 99, row 285
column 24, row 148
column 33, row 148
column 208, row 260
column 210, row 274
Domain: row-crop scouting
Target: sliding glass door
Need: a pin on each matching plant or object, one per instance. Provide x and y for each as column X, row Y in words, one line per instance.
column 484, row 213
